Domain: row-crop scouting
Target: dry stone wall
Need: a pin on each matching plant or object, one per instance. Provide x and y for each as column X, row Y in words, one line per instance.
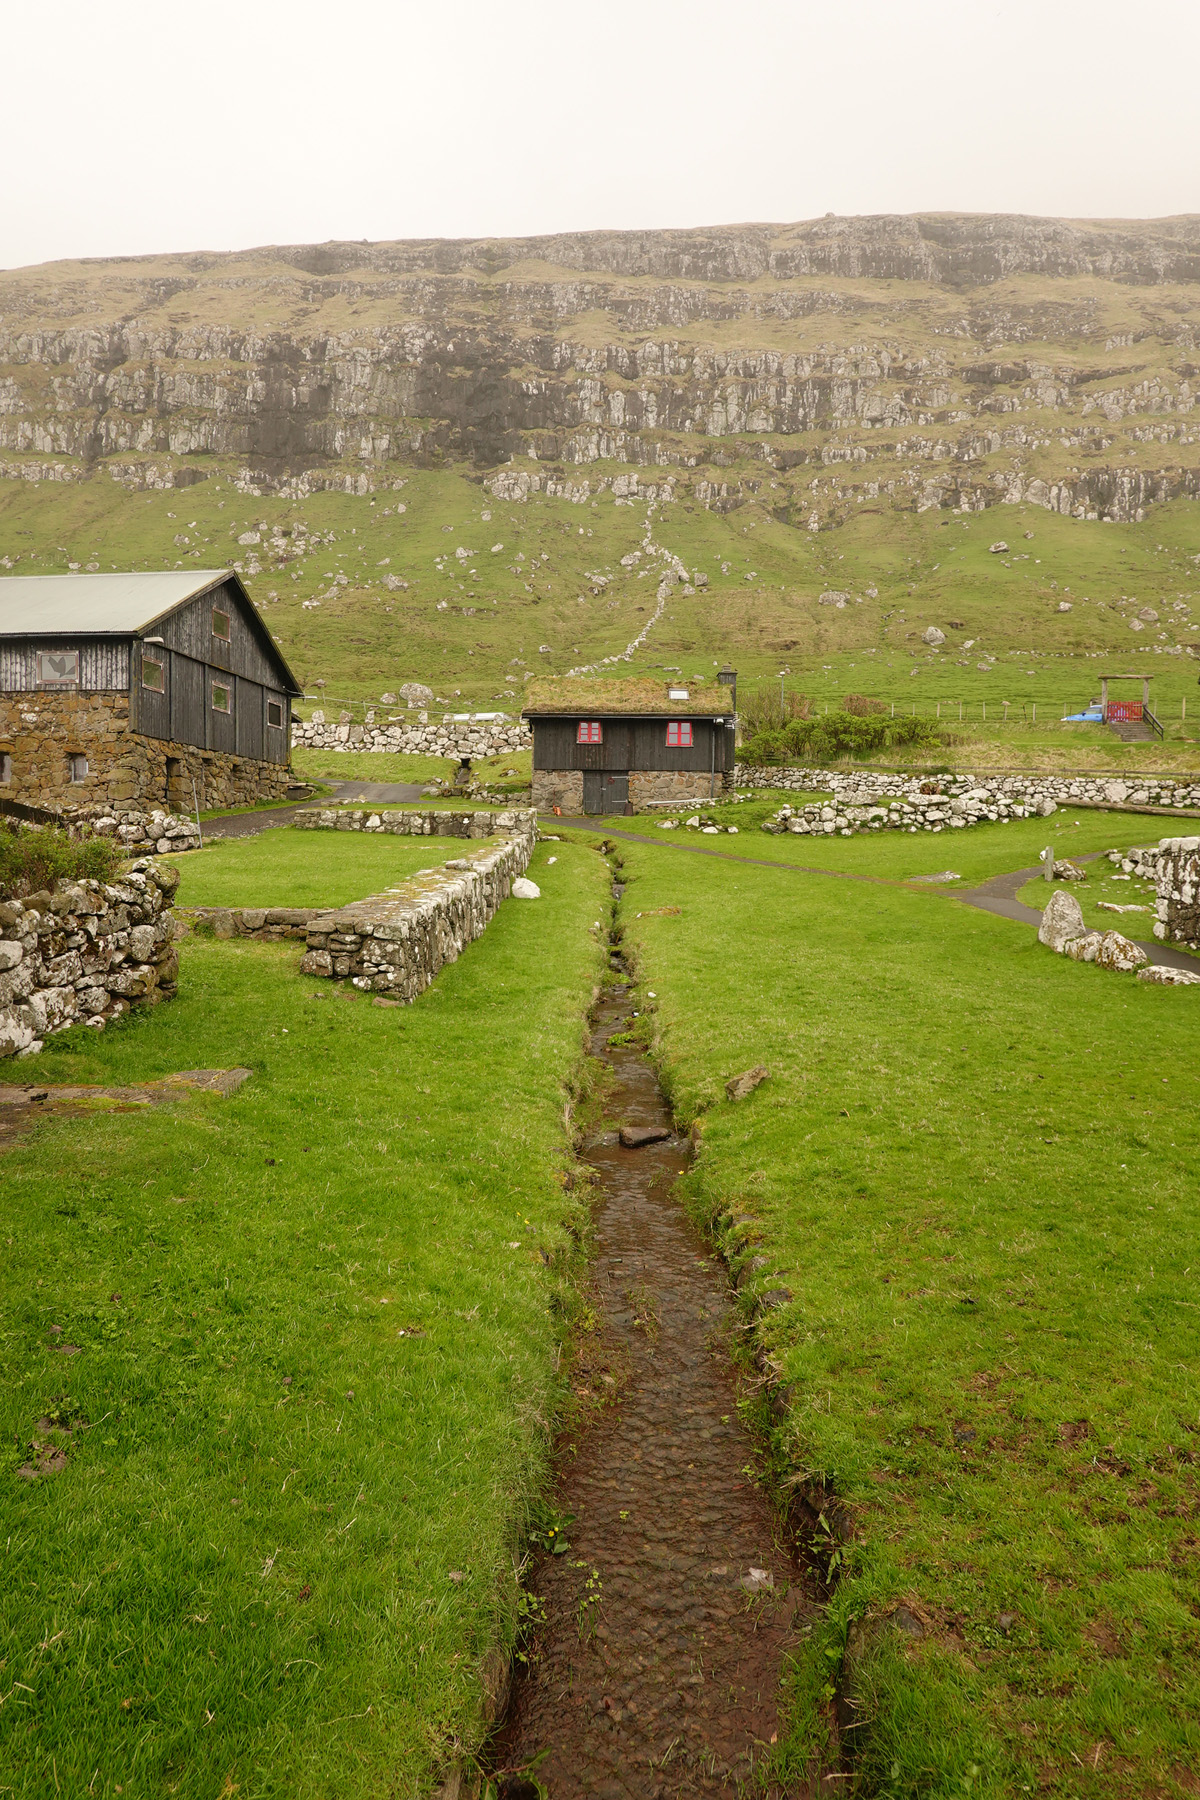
column 393, row 944
column 1174, row 866
column 517, row 822
column 454, row 735
column 84, row 953
column 867, row 786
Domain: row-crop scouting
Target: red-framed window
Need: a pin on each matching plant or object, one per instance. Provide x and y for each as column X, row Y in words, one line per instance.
column 589, row 732
column 679, row 734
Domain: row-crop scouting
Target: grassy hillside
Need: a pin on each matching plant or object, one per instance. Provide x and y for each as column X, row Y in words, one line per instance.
column 473, row 627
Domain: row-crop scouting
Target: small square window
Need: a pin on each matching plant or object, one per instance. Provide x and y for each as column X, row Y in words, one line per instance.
column 589, row 732
column 275, row 713
column 221, row 698
column 679, row 734
column 677, row 693
column 220, row 624
column 77, row 768
column 154, row 675
column 5, row 767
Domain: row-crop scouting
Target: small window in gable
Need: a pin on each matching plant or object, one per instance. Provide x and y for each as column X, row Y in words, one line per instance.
column 220, row 624
column 679, row 734
column 589, row 732
column 275, row 713
column 222, row 699
column 153, row 674
column 677, row 693
column 77, row 768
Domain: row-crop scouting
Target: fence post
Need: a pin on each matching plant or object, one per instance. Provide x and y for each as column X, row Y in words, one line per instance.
column 939, row 709
column 1035, row 712
column 893, row 709
column 1183, row 709
column 960, row 712
column 985, row 709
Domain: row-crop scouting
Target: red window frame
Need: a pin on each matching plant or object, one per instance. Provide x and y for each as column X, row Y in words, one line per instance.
column 590, row 732
column 679, row 734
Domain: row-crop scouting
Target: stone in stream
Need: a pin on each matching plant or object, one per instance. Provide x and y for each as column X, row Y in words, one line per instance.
column 1061, row 921
column 740, row 1085
column 634, row 1137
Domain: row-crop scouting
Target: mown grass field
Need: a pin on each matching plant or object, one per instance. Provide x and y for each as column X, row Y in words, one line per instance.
column 286, row 866
column 313, row 1329
column 974, row 1164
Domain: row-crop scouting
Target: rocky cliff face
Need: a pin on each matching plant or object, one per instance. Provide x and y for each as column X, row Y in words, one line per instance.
column 928, row 360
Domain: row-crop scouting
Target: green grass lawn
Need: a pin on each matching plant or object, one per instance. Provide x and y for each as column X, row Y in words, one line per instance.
column 392, row 765
column 974, row 1163
column 976, row 852
column 317, row 1344
column 287, row 866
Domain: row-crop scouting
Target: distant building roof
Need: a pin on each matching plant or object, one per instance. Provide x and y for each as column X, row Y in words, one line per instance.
column 118, row 605
column 553, row 698
column 62, row 605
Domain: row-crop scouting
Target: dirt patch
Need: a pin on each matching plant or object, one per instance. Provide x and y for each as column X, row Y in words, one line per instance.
column 24, row 1106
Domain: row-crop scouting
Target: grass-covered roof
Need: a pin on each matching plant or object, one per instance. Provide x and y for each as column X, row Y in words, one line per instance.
column 633, row 694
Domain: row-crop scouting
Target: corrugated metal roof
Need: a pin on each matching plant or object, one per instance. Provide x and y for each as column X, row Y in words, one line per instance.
column 62, row 605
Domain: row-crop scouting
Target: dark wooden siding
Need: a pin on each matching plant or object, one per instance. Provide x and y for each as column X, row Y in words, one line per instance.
column 190, row 631
column 186, row 684
column 249, row 719
column 630, row 744
column 184, row 714
column 103, row 663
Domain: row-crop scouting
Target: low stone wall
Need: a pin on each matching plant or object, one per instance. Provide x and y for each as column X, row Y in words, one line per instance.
column 910, row 812
column 861, row 786
column 134, row 829
column 84, row 953
column 1173, row 864
column 520, row 822
column 271, row 923
column 393, row 944
column 451, row 736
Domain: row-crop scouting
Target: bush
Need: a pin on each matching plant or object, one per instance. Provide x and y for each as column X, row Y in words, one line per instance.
column 35, row 856
column 834, row 735
column 762, row 711
column 862, row 705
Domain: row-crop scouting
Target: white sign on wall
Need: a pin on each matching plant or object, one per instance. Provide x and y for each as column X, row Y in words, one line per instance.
column 58, row 668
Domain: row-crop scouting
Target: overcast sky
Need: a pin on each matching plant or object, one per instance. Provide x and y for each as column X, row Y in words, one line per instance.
column 133, row 127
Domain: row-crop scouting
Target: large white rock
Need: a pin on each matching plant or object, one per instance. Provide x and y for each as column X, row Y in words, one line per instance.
column 933, row 636
column 1164, row 976
column 524, row 889
column 1120, row 953
column 1061, row 921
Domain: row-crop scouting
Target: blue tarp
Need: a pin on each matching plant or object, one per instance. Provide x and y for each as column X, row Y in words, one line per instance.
column 1093, row 716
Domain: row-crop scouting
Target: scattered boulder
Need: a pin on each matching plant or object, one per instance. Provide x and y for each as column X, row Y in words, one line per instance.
column 740, row 1085
column 1120, row 953
column 524, row 889
column 932, row 636
column 1061, row 921
column 1164, row 976
column 998, row 547
column 1069, row 871
column 1083, row 949
column 1064, row 606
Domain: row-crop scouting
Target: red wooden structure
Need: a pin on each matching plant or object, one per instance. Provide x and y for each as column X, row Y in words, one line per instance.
column 1124, row 711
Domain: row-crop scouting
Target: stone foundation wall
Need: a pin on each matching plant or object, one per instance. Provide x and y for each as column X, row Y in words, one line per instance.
column 394, row 944
column 674, row 787
column 860, row 786
column 41, row 731
column 466, row 824
column 273, row 924
column 558, row 787
column 84, row 954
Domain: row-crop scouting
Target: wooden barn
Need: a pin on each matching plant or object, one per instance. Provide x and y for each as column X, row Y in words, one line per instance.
column 618, row 746
column 123, row 690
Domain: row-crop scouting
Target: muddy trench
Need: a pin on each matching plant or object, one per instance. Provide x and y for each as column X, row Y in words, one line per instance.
column 663, row 1633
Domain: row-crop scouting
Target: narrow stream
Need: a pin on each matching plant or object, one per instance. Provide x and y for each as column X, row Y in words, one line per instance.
column 668, row 1622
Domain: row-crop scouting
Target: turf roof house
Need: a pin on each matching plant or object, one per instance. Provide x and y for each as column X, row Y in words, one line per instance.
column 121, row 690
column 617, row 746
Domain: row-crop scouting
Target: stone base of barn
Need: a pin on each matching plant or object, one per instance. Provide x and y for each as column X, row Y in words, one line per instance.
column 673, row 787
column 43, row 732
column 558, row 787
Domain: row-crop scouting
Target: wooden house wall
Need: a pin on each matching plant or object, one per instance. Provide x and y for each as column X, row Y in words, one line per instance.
column 103, row 663
column 630, row 743
column 189, row 631
column 184, row 713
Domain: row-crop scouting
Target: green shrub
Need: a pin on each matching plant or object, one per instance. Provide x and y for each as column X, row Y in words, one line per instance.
column 35, row 856
column 834, row 735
